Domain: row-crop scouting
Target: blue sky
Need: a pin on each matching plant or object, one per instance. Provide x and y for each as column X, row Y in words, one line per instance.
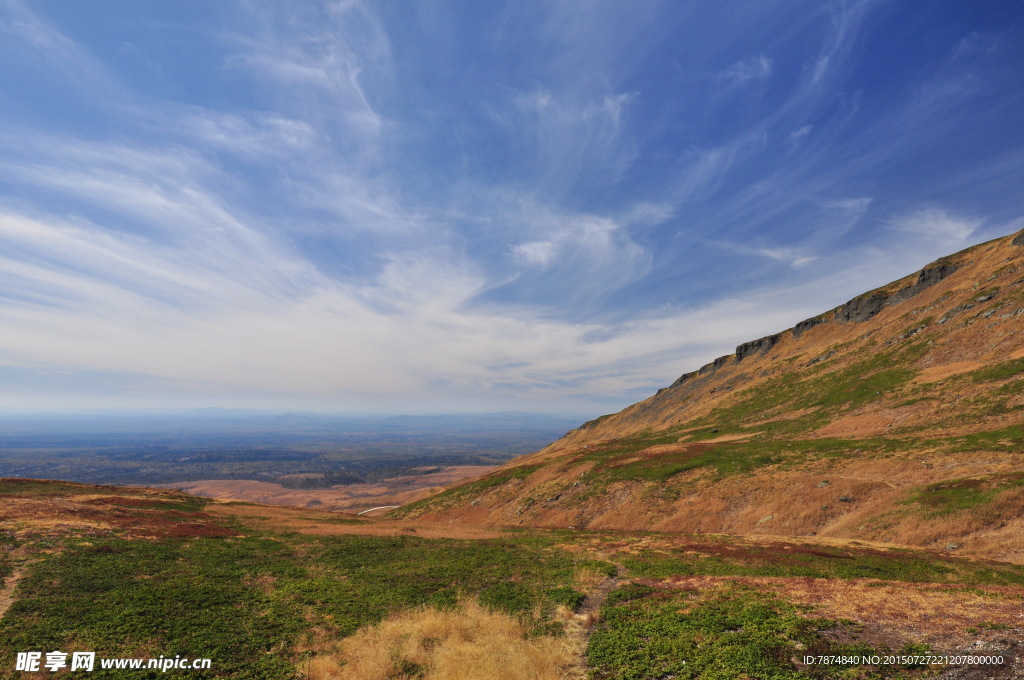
column 452, row 206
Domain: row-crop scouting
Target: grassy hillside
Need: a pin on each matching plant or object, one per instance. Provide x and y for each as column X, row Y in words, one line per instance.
column 897, row 417
column 271, row 592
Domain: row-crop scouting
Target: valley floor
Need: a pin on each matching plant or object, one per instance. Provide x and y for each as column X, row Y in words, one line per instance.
column 273, row 592
column 353, row 498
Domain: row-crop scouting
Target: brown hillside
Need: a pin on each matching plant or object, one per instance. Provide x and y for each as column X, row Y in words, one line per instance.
column 897, row 417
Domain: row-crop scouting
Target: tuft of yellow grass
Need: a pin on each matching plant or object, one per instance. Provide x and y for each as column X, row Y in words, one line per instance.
column 465, row 643
column 589, row 580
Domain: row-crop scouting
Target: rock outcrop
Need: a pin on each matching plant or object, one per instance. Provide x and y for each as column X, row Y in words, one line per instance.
column 759, row 346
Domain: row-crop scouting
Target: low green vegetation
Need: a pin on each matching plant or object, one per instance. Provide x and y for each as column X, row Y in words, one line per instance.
column 7, row 543
column 1002, row 439
column 618, row 462
column 246, row 601
column 474, row 488
column 818, row 391
column 731, row 632
column 125, row 598
column 362, row 578
column 1001, row 371
column 943, row 498
column 721, row 558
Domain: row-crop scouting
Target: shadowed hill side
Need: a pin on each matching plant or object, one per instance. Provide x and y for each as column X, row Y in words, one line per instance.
column 896, row 417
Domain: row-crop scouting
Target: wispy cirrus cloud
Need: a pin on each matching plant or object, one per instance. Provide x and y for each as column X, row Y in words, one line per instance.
column 564, row 139
column 318, row 60
column 754, row 68
column 345, row 205
column 937, row 226
column 255, row 136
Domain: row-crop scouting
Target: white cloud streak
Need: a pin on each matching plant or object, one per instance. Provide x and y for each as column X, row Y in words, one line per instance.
column 755, row 68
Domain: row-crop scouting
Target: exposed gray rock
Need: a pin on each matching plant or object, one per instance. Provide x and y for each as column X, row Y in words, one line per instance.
column 862, row 308
column 714, row 365
column 806, row 324
column 821, row 357
column 685, row 377
column 953, row 312
column 704, row 370
column 856, row 310
column 931, row 275
column 1019, row 239
column 761, row 346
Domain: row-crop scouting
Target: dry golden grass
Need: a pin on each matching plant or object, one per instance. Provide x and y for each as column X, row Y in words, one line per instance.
column 24, row 527
column 589, row 580
column 466, row 643
column 943, row 371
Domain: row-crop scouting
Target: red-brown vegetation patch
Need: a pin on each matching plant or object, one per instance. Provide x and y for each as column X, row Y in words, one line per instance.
column 772, row 552
column 125, row 501
column 174, row 524
column 948, row 617
column 42, row 514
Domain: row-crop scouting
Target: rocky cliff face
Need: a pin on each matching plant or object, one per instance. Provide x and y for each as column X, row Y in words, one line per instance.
column 858, row 310
column 897, row 416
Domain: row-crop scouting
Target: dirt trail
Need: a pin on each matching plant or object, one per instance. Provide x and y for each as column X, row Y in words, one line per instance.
column 11, row 582
column 589, row 614
column 591, row 607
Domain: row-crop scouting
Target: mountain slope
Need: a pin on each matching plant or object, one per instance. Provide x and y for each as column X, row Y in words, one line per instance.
column 897, row 417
